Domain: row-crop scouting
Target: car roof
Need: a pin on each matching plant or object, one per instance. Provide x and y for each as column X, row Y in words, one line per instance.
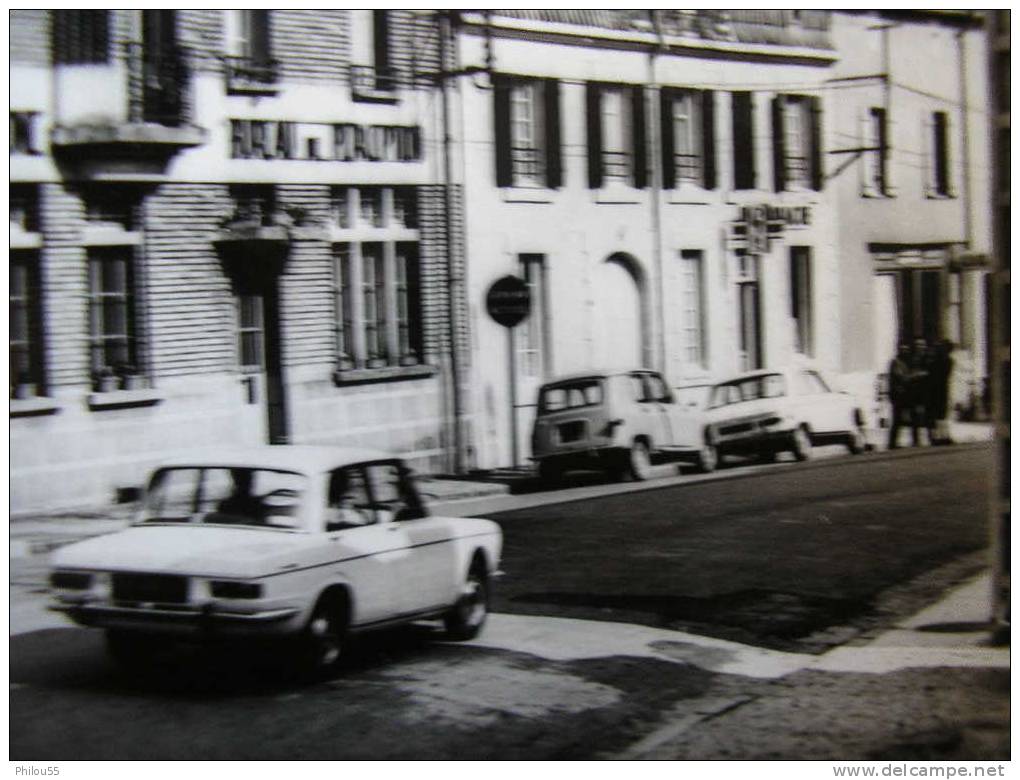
column 752, row 375
column 288, row 457
column 594, row 374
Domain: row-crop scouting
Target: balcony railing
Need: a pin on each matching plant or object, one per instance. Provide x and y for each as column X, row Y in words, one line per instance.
column 526, row 163
column 616, row 165
column 373, row 84
column 158, row 86
column 249, row 74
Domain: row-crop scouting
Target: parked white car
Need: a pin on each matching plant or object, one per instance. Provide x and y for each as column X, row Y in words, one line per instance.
column 766, row 412
column 304, row 543
column 614, row 421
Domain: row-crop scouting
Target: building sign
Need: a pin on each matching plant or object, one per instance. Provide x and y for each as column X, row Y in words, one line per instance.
column 253, row 139
column 509, row 301
column 758, row 225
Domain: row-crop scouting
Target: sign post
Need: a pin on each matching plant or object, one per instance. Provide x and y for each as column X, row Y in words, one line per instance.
column 509, row 304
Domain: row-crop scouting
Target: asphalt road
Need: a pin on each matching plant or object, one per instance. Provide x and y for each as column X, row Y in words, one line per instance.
column 794, row 557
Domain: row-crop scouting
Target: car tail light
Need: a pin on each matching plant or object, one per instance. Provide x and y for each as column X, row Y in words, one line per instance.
column 71, row 580
column 225, row 589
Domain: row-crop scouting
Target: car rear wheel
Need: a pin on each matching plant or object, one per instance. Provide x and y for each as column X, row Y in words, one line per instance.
column 708, row 458
column 856, row 442
column 465, row 619
column 639, row 463
column 800, row 444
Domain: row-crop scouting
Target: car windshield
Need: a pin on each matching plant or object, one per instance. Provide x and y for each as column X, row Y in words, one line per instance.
column 222, row 495
column 572, row 395
column 749, row 389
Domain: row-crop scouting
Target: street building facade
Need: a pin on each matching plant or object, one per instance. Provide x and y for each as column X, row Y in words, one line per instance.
column 660, row 181
column 227, row 227
column 912, row 174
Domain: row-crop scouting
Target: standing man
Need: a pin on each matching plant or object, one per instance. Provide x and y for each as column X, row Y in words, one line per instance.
column 940, row 367
column 921, row 391
column 900, row 394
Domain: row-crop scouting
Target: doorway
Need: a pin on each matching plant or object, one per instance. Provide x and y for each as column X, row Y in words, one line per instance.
column 749, row 313
column 260, row 355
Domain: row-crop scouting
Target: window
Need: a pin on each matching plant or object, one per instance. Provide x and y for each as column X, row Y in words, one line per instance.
column 24, row 207
column 796, row 140
column 692, row 300
column 393, row 498
column 254, row 203
column 110, row 208
column 801, row 310
column 340, row 206
column 526, row 115
column 530, row 334
column 22, row 139
column 876, row 141
column 81, row 37
column 655, row 388
column 371, row 203
column 939, row 179
column 249, row 62
column 377, row 296
column 688, row 137
column 381, row 50
column 744, row 177
column 405, row 207
column 26, row 377
column 616, row 135
column 749, row 312
column 251, row 332
column 112, row 324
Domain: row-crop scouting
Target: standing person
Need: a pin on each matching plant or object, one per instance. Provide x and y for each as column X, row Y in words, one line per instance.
column 940, row 367
column 921, row 391
column 900, row 371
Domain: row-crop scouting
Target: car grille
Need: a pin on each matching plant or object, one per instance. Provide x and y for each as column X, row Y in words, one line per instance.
column 571, row 431
column 159, row 588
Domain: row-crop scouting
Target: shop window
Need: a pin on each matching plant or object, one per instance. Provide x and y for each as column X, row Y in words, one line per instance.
column 692, row 301
column 939, row 179
column 80, row 37
column 526, row 115
column 688, row 137
column 616, row 135
column 796, row 143
column 27, row 376
column 377, row 296
column 875, row 140
column 801, row 309
column 113, row 342
column 22, row 138
column 742, row 106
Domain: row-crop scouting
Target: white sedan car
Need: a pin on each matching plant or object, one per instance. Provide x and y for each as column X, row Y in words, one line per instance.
column 304, row 543
column 766, row 412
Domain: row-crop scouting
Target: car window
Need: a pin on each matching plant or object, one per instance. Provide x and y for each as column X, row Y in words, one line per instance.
column 750, row 389
column 576, row 395
column 348, row 503
column 655, row 388
column 773, row 386
column 221, row 495
column 814, row 382
column 637, row 387
column 392, row 495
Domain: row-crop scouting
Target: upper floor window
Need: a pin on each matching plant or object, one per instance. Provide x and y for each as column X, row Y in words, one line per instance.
column 796, row 142
column 939, row 180
column 688, row 137
column 381, row 50
column 249, row 49
column 24, row 207
column 526, row 115
column 22, row 139
column 876, row 141
column 81, row 37
column 254, row 203
column 26, row 377
column 742, row 107
column 616, row 135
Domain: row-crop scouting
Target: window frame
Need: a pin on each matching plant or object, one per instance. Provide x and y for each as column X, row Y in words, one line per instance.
column 99, row 300
column 694, row 258
column 801, row 290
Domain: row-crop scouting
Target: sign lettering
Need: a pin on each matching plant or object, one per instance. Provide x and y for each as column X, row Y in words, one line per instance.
column 253, row 139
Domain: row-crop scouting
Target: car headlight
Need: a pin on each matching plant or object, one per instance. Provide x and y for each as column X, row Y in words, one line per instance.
column 71, row 580
column 228, row 589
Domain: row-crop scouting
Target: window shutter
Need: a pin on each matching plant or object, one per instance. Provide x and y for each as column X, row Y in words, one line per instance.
column 501, row 130
column 638, row 128
column 261, row 45
column 815, row 118
column 778, row 145
column 708, row 137
column 942, row 183
column 666, row 96
column 592, row 94
column 743, row 141
column 927, row 147
column 553, row 154
column 867, row 140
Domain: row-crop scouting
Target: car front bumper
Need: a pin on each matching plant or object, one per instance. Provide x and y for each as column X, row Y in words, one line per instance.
column 184, row 621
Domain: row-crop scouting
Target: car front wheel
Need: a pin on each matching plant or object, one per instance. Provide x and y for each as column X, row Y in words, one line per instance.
column 708, row 458
column 324, row 639
column 465, row 619
column 800, row 444
column 856, row 442
column 639, row 463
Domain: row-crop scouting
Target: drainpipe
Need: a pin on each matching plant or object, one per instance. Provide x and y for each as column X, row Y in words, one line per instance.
column 654, row 132
column 452, row 279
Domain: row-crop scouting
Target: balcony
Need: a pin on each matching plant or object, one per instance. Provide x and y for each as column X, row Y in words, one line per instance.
column 153, row 126
column 373, row 85
column 251, row 75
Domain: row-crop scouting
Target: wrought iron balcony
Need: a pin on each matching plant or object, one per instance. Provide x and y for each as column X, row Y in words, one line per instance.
column 373, row 85
column 251, row 74
column 158, row 86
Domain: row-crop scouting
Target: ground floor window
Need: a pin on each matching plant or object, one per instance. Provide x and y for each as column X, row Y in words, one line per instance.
column 251, row 332
column 377, row 297
column 113, row 344
column 801, row 309
column 749, row 313
column 26, row 377
column 531, row 335
column 692, row 301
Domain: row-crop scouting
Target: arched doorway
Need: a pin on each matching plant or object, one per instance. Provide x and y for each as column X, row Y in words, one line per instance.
column 619, row 313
